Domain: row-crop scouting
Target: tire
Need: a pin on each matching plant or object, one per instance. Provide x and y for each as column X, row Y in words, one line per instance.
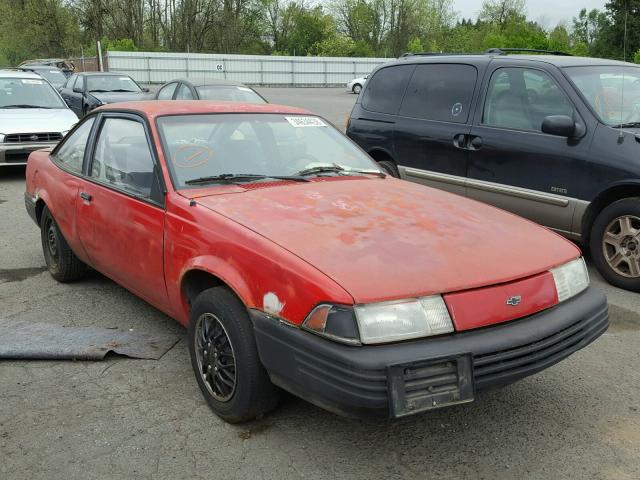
column 62, row 263
column 389, row 167
column 357, row 88
column 235, row 360
column 615, row 243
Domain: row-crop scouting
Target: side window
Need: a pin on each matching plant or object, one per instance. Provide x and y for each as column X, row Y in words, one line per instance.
column 123, row 160
column 520, row 98
column 71, row 81
column 385, row 89
column 71, row 153
column 440, row 92
column 79, row 85
column 184, row 93
column 166, row 93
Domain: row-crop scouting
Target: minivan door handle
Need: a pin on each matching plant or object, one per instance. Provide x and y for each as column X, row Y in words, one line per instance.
column 460, row 141
column 475, row 143
column 85, row 196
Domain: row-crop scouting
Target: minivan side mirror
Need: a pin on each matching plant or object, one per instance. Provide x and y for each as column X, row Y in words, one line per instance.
column 559, row 125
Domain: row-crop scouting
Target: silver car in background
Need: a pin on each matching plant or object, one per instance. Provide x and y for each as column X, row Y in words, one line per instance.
column 355, row 85
column 32, row 116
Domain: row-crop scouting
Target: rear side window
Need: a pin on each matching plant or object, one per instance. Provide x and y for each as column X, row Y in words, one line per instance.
column 440, row 92
column 71, row 153
column 166, row 93
column 385, row 89
column 184, row 93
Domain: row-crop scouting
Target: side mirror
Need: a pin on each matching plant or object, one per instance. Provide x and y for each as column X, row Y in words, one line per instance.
column 559, row 125
column 145, row 89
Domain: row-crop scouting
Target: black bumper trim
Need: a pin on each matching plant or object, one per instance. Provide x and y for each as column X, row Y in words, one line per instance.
column 30, row 204
column 352, row 380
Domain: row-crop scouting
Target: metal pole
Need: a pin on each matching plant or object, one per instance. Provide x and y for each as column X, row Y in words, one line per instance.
column 99, row 49
column 82, row 57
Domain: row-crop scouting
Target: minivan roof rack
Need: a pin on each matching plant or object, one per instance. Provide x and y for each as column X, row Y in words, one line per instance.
column 430, row 54
column 504, row 51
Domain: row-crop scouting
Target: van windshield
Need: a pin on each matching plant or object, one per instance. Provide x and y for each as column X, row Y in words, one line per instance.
column 28, row 93
column 612, row 91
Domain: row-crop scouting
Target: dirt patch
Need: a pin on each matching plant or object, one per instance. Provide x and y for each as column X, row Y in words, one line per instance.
column 623, row 320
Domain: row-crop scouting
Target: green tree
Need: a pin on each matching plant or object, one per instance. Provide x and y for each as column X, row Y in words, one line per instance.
column 636, row 57
column 559, row 39
column 415, row 45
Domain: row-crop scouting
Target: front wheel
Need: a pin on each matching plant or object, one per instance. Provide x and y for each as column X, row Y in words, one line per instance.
column 389, row 168
column 615, row 243
column 225, row 359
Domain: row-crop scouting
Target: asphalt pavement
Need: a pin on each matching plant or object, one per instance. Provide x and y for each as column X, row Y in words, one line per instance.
column 146, row 419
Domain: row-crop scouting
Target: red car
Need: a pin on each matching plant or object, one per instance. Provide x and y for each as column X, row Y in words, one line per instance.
column 295, row 262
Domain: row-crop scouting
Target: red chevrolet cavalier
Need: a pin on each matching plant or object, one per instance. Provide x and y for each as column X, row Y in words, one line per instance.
column 295, row 262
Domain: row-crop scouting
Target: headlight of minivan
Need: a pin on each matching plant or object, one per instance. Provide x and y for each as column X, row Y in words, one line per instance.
column 381, row 322
column 571, row 278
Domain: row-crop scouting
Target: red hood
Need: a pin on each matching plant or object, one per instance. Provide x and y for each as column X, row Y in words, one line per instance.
column 383, row 239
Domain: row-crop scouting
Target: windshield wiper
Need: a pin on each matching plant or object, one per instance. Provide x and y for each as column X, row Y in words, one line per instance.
column 335, row 168
column 23, row 106
column 123, row 90
column 98, row 91
column 242, row 177
column 627, row 125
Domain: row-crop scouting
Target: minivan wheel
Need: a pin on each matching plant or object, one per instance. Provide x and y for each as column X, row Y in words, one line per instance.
column 225, row 359
column 389, row 168
column 615, row 243
column 357, row 88
column 62, row 263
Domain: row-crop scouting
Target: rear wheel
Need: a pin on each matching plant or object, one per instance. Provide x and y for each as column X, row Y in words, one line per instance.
column 225, row 359
column 357, row 88
column 62, row 263
column 615, row 243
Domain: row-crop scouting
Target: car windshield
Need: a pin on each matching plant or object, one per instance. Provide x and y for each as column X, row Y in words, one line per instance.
column 111, row 83
column 54, row 77
column 230, row 93
column 613, row 91
column 28, row 93
column 204, row 146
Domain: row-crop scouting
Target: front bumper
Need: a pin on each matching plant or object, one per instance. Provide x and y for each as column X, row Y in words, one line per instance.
column 404, row 378
column 18, row 153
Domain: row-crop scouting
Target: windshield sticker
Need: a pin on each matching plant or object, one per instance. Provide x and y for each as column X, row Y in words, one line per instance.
column 300, row 122
column 244, row 89
column 53, row 71
column 192, row 155
column 123, row 78
column 32, row 82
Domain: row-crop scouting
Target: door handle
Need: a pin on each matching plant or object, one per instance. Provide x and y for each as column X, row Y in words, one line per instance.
column 460, row 141
column 85, row 196
column 475, row 143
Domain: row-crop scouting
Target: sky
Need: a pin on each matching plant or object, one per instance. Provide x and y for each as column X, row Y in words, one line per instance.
column 547, row 12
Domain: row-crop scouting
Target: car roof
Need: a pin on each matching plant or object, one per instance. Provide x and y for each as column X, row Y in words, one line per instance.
column 103, row 74
column 200, row 82
column 157, row 108
column 40, row 67
column 561, row 61
column 19, row 74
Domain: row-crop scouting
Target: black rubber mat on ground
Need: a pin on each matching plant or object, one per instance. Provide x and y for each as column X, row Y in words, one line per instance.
column 46, row 341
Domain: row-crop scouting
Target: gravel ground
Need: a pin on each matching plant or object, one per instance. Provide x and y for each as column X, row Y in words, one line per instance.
column 142, row 419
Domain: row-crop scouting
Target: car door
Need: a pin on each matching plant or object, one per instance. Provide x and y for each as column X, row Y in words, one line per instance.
column 67, row 89
column 76, row 97
column 433, row 124
column 120, row 207
column 512, row 163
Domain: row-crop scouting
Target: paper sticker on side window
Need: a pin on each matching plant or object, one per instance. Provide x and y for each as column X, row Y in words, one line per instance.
column 32, row 82
column 305, row 122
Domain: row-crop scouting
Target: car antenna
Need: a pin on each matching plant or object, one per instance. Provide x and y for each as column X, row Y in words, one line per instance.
column 624, row 58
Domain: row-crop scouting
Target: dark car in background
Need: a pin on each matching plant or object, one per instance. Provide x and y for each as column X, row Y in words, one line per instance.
column 66, row 66
column 87, row 90
column 53, row 75
column 208, row 89
column 552, row 138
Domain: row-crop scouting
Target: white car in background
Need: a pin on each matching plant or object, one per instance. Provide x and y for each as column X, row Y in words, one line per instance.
column 356, row 84
column 32, row 116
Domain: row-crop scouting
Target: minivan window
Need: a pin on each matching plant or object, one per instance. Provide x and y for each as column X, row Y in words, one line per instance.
column 385, row 89
column 440, row 92
column 612, row 91
column 520, row 98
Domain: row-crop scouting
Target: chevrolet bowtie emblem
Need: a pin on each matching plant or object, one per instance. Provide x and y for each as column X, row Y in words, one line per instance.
column 513, row 301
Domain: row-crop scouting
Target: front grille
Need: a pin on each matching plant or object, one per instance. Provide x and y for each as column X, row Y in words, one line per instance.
column 497, row 367
column 32, row 137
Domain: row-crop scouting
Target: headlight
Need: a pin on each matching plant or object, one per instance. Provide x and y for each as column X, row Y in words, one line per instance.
column 403, row 320
column 381, row 322
column 1, row 137
column 571, row 278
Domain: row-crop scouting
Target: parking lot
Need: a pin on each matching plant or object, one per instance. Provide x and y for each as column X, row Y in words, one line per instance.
column 124, row 418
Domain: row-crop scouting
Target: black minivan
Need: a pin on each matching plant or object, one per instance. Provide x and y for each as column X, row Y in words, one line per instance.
column 552, row 138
